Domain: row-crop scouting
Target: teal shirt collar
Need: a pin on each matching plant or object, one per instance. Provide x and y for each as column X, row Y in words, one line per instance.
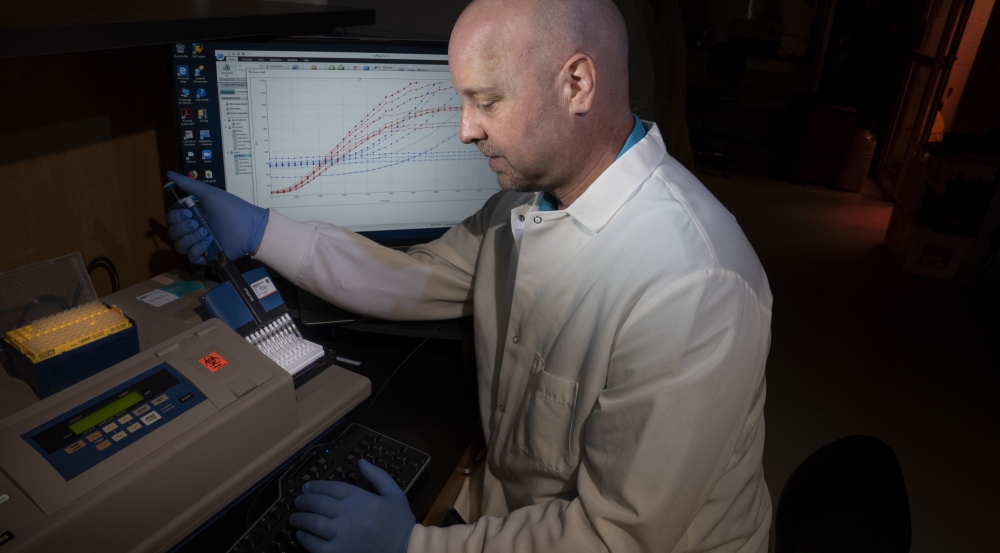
column 638, row 132
column 548, row 202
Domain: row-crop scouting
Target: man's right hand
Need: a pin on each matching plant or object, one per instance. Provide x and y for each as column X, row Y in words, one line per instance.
column 237, row 224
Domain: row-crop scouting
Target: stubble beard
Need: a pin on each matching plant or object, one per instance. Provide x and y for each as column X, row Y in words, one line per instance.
column 507, row 177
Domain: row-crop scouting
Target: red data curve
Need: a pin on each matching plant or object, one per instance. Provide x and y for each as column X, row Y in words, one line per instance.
column 362, row 132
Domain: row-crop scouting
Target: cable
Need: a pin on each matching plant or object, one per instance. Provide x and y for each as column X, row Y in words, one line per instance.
column 110, row 266
column 246, row 516
column 61, row 302
column 58, row 300
column 393, row 373
column 295, row 465
column 76, row 295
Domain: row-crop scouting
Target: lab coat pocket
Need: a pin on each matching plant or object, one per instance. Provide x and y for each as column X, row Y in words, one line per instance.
column 544, row 428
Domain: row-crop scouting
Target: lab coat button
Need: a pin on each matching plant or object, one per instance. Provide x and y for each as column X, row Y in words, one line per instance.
column 520, row 218
column 493, row 472
column 538, row 219
column 515, row 339
column 501, row 408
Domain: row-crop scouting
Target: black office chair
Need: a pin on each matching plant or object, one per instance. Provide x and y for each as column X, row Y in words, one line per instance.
column 725, row 63
column 847, row 497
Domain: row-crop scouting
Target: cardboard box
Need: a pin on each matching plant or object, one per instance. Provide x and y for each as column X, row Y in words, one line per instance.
column 963, row 167
column 982, row 263
column 921, row 251
column 911, row 183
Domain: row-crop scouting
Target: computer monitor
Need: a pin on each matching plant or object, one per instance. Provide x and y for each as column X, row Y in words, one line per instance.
column 359, row 133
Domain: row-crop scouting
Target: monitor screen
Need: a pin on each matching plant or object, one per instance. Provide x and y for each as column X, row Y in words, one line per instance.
column 360, row 134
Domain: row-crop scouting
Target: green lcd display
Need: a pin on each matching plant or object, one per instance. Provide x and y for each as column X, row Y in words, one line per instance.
column 84, row 424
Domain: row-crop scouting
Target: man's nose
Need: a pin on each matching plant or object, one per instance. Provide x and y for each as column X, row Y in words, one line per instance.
column 469, row 130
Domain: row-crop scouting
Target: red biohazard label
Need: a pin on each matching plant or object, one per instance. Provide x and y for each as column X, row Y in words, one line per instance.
column 213, row 361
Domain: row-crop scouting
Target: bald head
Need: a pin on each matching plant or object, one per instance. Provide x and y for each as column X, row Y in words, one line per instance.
column 544, row 87
column 563, row 28
column 541, row 35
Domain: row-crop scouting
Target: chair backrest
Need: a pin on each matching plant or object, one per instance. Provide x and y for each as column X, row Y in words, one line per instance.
column 848, row 496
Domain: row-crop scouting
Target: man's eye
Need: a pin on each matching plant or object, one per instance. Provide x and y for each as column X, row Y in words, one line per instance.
column 485, row 106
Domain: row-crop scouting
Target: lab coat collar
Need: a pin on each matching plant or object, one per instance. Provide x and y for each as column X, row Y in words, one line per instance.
column 617, row 184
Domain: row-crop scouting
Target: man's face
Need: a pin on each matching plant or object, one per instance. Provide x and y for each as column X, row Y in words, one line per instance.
column 508, row 111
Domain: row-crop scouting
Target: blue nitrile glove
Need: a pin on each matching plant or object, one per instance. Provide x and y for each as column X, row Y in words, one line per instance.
column 346, row 519
column 237, row 224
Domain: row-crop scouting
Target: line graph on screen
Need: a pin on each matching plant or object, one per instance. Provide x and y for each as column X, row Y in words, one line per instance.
column 329, row 136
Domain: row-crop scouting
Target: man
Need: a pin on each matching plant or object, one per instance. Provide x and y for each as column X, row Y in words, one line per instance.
column 621, row 317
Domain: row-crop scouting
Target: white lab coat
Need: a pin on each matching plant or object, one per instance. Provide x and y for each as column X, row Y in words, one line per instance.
column 620, row 347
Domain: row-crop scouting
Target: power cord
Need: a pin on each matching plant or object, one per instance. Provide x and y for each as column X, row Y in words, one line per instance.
column 110, row 266
column 394, row 371
column 300, row 462
column 294, row 465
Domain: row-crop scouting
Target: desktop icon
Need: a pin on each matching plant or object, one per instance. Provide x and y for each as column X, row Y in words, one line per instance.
column 220, row 56
column 179, row 48
column 314, row 68
column 190, row 154
column 200, row 93
column 208, row 174
column 198, row 70
column 366, row 68
column 185, row 93
column 225, row 67
column 295, row 66
column 204, row 134
column 187, row 114
column 188, row 135
column 182, row 71
column 197, row 48
column 332, row 67
column 341, row 67
column 203, row 115
column 193, row 174
column 206, row 155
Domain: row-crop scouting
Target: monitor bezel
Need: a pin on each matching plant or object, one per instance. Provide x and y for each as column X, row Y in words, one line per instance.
column 401, row 238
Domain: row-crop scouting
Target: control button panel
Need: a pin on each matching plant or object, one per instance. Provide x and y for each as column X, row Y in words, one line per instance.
column 92, row 432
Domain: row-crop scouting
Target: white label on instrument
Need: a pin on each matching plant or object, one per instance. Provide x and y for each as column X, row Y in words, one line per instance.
column 263, row 288
column 150, row 418
column 4, row 497
column 157, row 298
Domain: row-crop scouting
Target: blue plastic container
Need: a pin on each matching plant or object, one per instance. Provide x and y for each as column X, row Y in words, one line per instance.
column 62, row 371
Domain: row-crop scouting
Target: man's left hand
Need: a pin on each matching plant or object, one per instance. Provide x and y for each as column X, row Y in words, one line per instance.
column 344, row 518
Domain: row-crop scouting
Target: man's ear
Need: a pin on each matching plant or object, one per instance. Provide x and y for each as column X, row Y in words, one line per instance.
column 579, row 83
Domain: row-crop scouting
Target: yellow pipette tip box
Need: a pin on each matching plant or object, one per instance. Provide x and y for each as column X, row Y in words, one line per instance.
column 60, row 350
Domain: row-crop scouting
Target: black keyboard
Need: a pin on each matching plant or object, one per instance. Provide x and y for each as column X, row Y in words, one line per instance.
column 338, row 461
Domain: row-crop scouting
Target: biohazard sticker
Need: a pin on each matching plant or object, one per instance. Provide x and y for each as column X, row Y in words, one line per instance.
column 213, row 361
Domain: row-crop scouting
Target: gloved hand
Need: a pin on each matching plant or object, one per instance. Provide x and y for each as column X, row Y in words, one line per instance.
column 346, row 519
column 237, row 224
